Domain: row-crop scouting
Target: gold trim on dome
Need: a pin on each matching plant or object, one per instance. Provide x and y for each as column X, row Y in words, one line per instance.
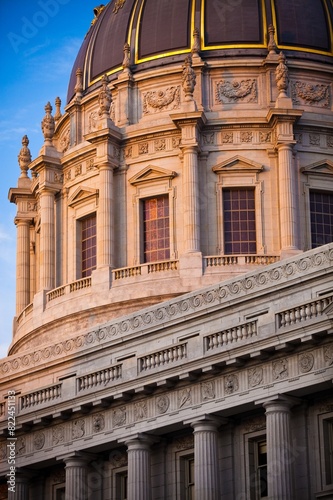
column 261, row 45
column 118, row 5
column 162, row 54
column 304, row 48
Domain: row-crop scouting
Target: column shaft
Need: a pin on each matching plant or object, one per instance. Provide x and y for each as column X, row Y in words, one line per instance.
column 287, row 195
column 21, row 487
column 22, row 265
column 47, row 241
column 76, row 478
column 105, row 218
column 279, row 458
column 191, row 200
column 138, row 486
column 206, row 475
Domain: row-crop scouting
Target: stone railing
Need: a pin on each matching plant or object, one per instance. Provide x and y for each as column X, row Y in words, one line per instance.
column 145, row 269
column 41, row 396
column 303, row 312
column 163, row 357
column 229, row 260
column 25, row 313
column 69, row 288
column 99, row 378
column 231, row 335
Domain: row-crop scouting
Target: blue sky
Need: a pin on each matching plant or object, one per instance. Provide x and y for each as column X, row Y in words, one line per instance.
column 39, row 40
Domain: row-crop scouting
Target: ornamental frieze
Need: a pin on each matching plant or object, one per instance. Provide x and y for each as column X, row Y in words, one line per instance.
column 329, row 141
column 207, row 390
column 328, row 354
column 255, row 376
column 58, row 435
column 305, row 362
column 311, row 95
column 161, row 100
column 119, row 416
column 235, row 91
column 78, row 428
column 184, row 397
column 231, row 384
column 162, row 404
column 280, row 369
column 39, row 440
column 64, row 141
column 140, row 410
column 98, row 422
column 177, row 308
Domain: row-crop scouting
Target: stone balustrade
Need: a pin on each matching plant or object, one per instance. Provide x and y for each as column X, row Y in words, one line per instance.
column 99, row 378
column 41, row 396
column 303, row 312
column 163, row 357
column 231, row 335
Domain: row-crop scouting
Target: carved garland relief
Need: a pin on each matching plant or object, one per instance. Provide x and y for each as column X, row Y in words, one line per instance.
column 236, row 91
column 311, row 95
column 161, row 100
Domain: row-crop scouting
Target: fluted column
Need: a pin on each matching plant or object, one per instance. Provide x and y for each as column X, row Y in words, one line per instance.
column 279, row 457
column 105, row 217
column 287, row 193
column 138, row 482
column 22, row 264
column 191, row 200
column 206, row 475
column 47, row 240
column 76, row 478
column 21, row 488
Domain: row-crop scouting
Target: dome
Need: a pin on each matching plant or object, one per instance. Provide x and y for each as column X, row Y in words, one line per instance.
column 162, row 32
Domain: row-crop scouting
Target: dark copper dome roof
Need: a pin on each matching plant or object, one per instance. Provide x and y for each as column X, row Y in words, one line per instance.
column 160, row 32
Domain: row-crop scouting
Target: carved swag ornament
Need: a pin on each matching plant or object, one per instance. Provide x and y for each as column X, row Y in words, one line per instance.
column 236, row 91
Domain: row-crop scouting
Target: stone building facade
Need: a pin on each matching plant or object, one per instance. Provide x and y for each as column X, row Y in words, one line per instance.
column 174, row 295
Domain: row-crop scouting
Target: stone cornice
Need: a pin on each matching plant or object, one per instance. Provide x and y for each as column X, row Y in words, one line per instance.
column 183, row 308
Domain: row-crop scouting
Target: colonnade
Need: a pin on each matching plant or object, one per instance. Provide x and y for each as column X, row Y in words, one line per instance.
column 207, row 478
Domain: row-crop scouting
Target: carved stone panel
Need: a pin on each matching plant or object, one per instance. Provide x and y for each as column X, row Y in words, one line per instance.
column 236, row 91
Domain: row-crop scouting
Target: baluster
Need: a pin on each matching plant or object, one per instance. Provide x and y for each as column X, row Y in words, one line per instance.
column 292, row 316
column 307, row 311
column 234, row 334
column 282, row 320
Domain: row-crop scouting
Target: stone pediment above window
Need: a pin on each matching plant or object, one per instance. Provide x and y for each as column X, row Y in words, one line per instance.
column 238, row 164
column 319, row 168
column 82, row 195
column 151, row 173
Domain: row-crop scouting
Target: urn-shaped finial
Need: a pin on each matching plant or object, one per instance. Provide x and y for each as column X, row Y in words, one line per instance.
column 271, row 40
column 104, row 98
column 48, row 125
column 282, row 76
column 24, row 157
column 79, row 84
column 57, row 114
column 188, row 79
column 196, row 43
column 127, row 58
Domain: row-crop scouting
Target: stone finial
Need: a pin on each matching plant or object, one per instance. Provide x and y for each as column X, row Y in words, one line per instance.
column 79, row 84
column 282, row 76
column 271, row 40
column 48, row 125
column 24, row 157
column 58, row 114
column 104, row 98
column 126, row 60
column 188, row 78
column 196, row 43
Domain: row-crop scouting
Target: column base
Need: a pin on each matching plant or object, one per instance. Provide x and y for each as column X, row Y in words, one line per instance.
column 190, row 266
column 101, row 278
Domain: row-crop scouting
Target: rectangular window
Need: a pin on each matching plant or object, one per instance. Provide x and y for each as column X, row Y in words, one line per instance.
column 121, row 485
column 189, row 478
column 239, row 221
column 156, row 231
column 328, row 451
column 321, row 216
column 258, row 469
column 88, row 245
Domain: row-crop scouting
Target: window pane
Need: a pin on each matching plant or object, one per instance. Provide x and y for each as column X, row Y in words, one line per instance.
column 88, row 245
column 321, row 217
column 156, row 242
column 239, row 221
